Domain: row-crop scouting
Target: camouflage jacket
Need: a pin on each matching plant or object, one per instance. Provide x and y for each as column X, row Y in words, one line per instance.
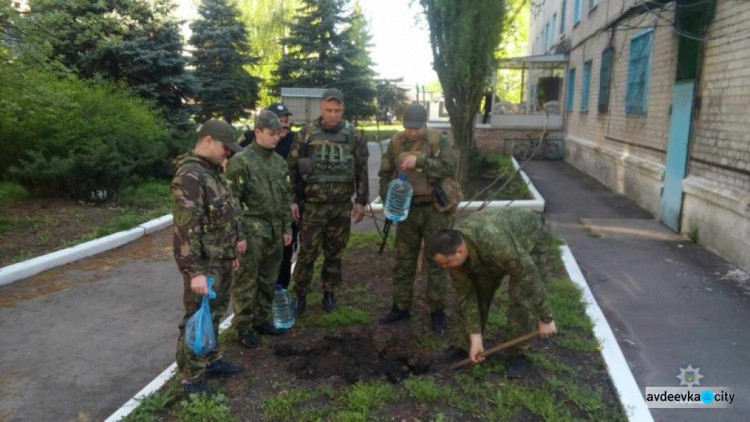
column 205, row 215
column 498, row 243
column 259, row 181
column 437, row 161
column 328, row 192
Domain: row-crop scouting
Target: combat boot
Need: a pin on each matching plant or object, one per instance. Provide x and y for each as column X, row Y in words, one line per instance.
column 299, row 306
column 329, row 302
column 438, row 322
column 394, row 315
column 268, row 329
column 248, row 339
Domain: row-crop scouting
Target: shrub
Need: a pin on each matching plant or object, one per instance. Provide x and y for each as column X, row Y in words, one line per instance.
column 63, row 135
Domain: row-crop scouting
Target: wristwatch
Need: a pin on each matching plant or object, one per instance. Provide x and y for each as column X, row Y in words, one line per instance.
column 546, row 318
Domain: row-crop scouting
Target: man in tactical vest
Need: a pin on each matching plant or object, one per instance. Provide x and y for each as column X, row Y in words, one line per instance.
column 327, row 166
column 427, row 158
column 205, row 237
column 258, row 178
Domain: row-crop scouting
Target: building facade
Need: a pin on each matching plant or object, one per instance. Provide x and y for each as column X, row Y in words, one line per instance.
column 657, row 107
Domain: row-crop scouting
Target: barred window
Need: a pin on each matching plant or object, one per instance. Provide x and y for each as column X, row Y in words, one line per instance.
column 585, row 84
column 569, row 92
column 639, row 72
column 605, row 79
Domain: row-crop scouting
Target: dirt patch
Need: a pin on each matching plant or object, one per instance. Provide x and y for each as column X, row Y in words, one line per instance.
column 353, row 357
column 34, row 227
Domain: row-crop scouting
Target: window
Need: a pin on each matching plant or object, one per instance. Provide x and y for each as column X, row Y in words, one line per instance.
column 552, row 30
column 639, row 70
column 576, row 11
column 592, row 4
column 585, row 85
column 605, row 79
column 570, row 90
column 562, row 16
column 546, row 37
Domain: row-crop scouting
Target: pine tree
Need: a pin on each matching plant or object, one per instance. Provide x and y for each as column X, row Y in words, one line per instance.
column 357, row 79
column 136, row 41
column 315, row 53
column 221, row 53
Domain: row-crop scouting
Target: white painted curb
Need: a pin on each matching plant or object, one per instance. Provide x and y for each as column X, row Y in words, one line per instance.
column 162, row 379
column 155, row 385
column 536, row 204
column 630, row 395
column 27, row 268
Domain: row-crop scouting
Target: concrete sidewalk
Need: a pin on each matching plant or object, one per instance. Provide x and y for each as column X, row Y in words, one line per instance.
column 669, row 302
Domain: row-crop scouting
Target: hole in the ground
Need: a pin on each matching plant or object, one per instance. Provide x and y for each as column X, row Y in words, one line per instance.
column 352, row 358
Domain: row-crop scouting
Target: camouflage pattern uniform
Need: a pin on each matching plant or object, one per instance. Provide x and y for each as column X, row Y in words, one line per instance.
column 260, row 182
column 434, row 162
column 205, row 235
column 500, row 242
column 339, row 159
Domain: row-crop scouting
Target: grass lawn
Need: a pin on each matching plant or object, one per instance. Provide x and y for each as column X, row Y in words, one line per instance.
column 324, row 368
column 31, row 227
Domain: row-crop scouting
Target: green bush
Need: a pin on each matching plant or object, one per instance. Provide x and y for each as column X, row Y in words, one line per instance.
column 62, row 136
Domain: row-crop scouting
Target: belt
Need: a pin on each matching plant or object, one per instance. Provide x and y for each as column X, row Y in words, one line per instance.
column 420, row 204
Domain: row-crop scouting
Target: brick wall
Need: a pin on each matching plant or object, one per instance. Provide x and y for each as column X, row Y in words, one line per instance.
column 722, row 125
column 501, row 141
column 643, row 136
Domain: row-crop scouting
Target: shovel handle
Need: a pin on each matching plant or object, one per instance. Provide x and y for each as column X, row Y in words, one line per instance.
column 499, row 347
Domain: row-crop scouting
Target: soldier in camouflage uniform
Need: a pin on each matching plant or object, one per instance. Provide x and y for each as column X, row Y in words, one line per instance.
column 260, row 183
column 205, row 237
column 426, row 156
column 327, row 165
column 486, row 247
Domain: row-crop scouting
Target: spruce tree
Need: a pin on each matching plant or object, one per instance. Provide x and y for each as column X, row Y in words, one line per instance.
column 221, row 54
column 137, row 42
column 357, row 79
column 315, row 53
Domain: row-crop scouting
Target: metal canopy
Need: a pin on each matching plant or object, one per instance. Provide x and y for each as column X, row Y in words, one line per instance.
column 546, row 61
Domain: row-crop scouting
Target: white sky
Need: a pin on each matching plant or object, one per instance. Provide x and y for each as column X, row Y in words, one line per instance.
column 401, row 47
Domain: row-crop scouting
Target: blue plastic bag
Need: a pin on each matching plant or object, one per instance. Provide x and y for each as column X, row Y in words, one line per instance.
column 199, row 330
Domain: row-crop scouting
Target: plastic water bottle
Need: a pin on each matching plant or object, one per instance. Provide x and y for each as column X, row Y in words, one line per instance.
column 282, row 310
column 398, row 199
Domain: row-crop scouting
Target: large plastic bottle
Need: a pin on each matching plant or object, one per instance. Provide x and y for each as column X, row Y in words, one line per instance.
column 398, row 199
column 282, row 309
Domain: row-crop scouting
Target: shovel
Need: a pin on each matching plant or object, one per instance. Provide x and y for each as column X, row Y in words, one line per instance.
column 509, row 343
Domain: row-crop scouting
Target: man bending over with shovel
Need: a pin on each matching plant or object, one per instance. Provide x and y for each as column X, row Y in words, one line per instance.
column 486, row 247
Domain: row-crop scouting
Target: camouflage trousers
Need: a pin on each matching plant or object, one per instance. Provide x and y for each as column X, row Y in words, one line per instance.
column 191, row 367
column 421, row 223
column 254, row 286
column 520, row 313
column 326, row 225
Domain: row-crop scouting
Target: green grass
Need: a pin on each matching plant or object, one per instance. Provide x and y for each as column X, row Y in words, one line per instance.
column 11, row 191
column 342, row 316
column 204, row 408
column 153, row 406
column 426, row 389
column 282, row 407
column 148, row 195
column 372, row 134
column 364, row 397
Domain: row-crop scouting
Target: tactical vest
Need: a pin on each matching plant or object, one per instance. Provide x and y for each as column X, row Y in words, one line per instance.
column 332, row 154
column 418, row 179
